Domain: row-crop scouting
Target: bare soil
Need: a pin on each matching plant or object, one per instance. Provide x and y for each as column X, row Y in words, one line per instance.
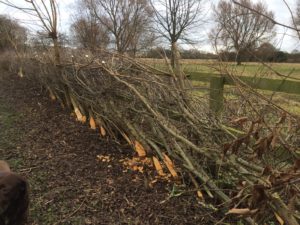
column 69, row 185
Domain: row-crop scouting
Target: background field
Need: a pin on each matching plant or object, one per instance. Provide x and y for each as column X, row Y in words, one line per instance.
column 248, row 68
column 289, row 71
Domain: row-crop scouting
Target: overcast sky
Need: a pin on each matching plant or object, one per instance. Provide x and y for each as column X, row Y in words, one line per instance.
column 284, row 39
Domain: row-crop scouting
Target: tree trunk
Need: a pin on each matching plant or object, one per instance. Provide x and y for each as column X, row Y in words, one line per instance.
column 175, row 62
column 56, row 51
column 238, row 58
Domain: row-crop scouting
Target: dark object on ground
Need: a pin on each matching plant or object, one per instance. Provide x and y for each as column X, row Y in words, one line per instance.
column 14, row 199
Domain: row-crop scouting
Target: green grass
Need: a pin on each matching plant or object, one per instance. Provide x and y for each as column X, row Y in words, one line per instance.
column 247, row 69
column 287, row 101
column 8, row 135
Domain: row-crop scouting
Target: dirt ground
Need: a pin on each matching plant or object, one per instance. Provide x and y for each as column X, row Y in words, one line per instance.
column 69, row 185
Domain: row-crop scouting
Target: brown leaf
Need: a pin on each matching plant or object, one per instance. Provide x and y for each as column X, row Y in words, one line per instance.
column 297, row 165
column 246, row 139
column 269, row 140
column 236, row 145
column 261, row 146
column 267, row 171
column 226, row 147
column 258, row 195
column 284, row 177
column 256, row 135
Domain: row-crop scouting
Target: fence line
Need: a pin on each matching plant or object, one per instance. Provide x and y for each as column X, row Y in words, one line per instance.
column 217, row 83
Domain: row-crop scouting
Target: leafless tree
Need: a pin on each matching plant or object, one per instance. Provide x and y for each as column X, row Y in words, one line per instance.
column 297, row 19
column 126, row 20
column 242, row 29
column 12, row 34
column 173, row 21
column 13, row 37
column 89, row 34
column 86, row 31
column 46, row 13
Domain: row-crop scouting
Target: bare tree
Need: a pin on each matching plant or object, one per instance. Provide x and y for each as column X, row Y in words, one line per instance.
column 13, row 37
column 12, row 34
column 46, row 12
column 173, row 21
column 297, row 13
column 242, row 29
column 89, row 34
column 126, row 20
column 296, row 19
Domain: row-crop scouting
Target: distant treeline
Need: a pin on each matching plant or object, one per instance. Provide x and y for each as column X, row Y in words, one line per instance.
column 158, row 53
column 277, row 56
column 266, row 53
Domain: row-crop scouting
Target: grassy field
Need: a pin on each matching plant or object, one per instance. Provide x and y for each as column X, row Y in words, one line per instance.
column 248, row 69
column 286, row 101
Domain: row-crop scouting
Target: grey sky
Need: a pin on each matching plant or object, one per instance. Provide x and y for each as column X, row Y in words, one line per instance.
column 284, row 39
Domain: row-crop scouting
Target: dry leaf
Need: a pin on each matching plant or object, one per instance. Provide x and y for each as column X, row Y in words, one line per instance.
column 102, row 131
column 170, row 165
column 297, row 165
column 139, row 149
column 279, row 219
column 92, row 123
column 158, row 167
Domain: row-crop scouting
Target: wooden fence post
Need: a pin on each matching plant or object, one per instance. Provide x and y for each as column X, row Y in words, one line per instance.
column 216, row 97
